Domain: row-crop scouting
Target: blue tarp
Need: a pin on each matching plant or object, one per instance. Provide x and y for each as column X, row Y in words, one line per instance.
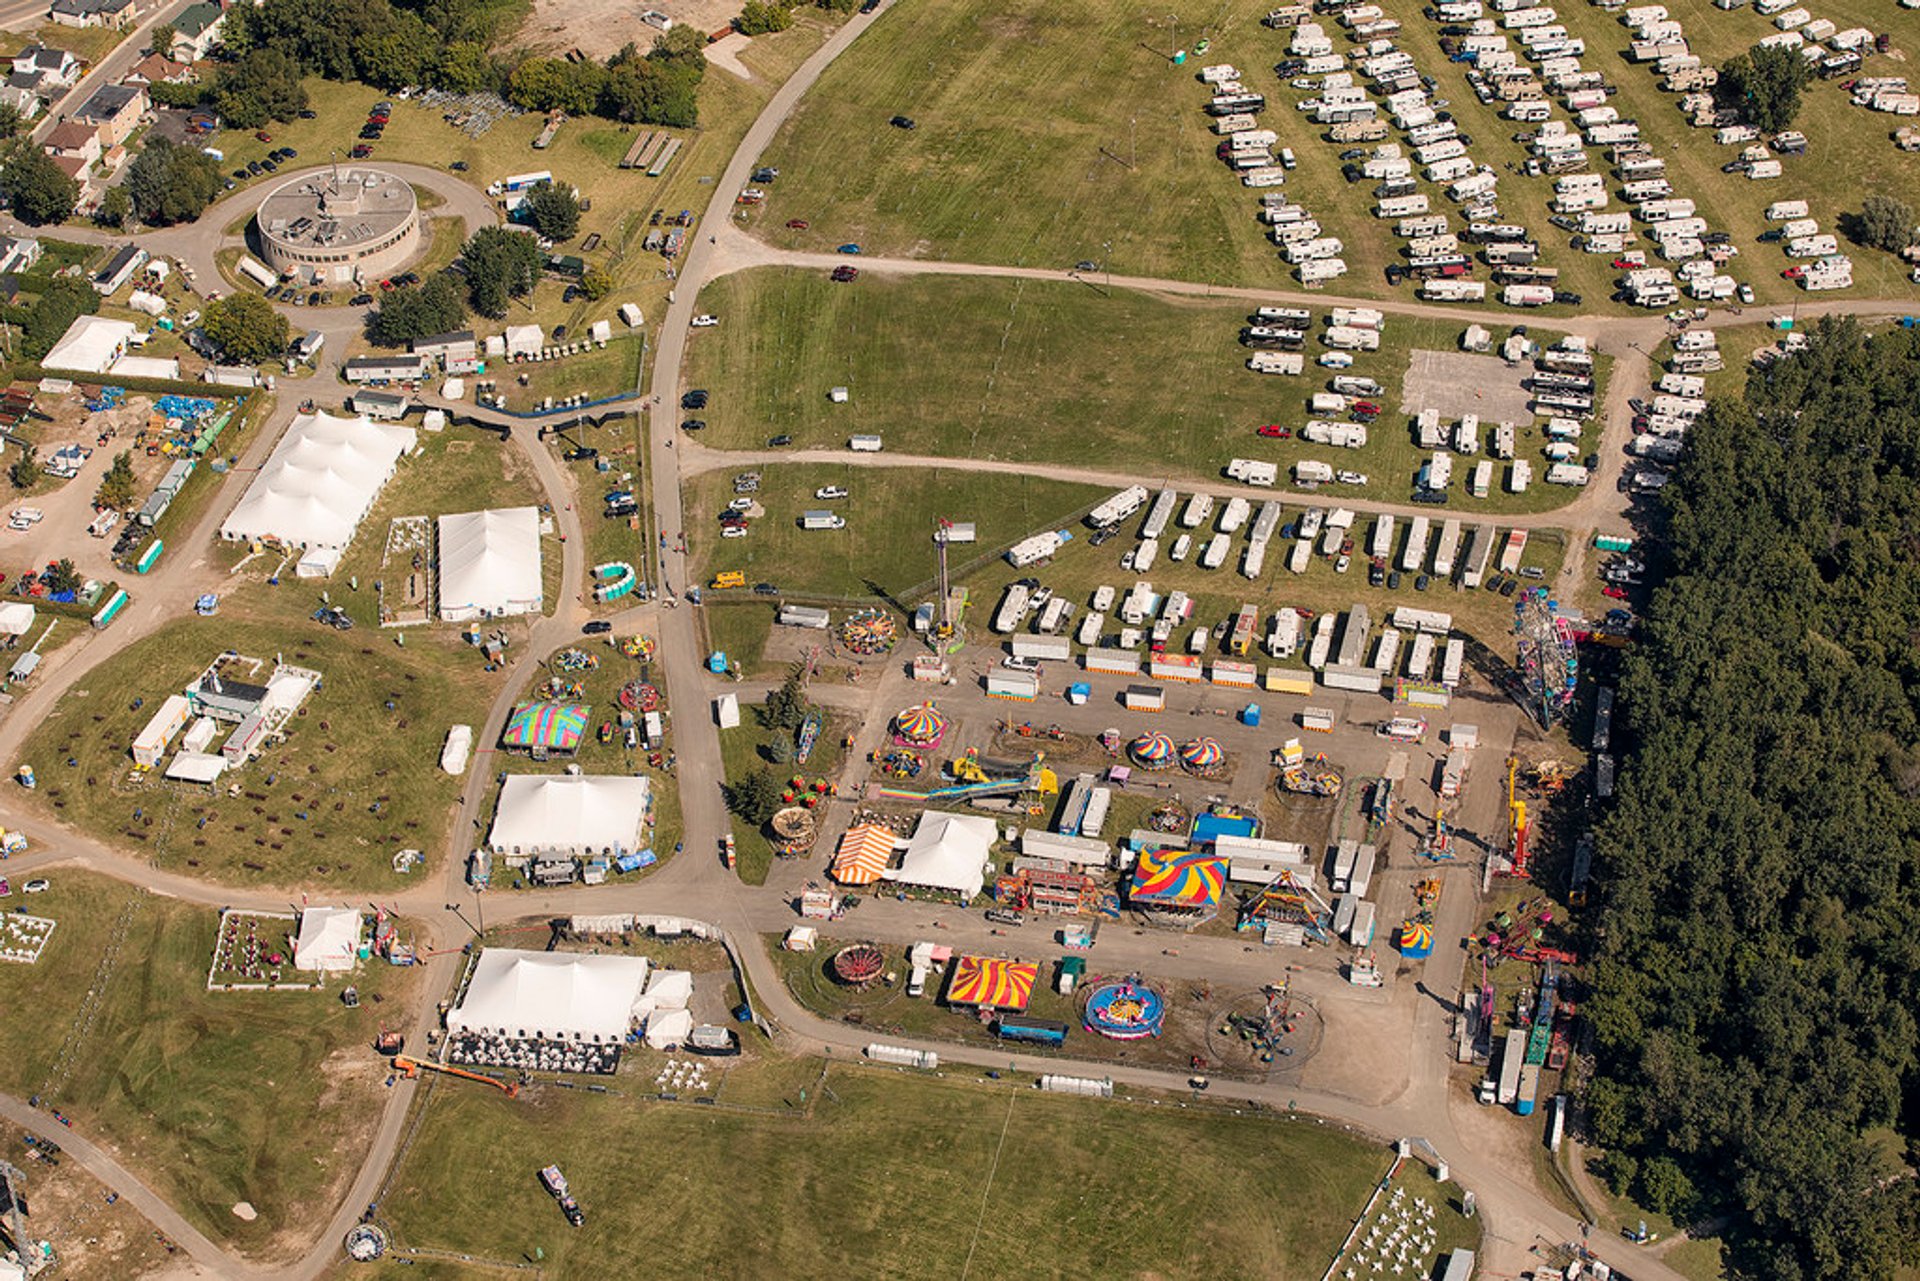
column 634, row 862
column 1209, row 828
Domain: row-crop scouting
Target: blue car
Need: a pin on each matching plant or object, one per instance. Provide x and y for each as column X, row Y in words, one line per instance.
column 848, row 249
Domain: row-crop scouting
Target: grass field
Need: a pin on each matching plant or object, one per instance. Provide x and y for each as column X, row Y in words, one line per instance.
column 908, row 1176
column 586, row 153
column 887, row 546
column 752, row 746
column 1049, row 373
column 1049, row 134
column 194, row 1090
column 327, row 808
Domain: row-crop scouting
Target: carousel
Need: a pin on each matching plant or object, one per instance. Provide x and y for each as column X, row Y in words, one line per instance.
column 869, row 632
column 1152, row 751
column 640, row 696
column 795, row 828
column 922, row 725
column 1125, row 1011
column 858, row 965
column 1202, row 756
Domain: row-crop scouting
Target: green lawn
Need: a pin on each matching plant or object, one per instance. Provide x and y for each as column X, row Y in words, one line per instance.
column 1054, row 373
column 327, row 808
column 758, row 745
column 887, row 1174
column 586, row 153
column 194, row 1090
column 887, row 546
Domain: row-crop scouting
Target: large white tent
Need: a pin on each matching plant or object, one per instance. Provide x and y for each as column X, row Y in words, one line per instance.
column 329, row 939
column 319, row 483
column 490, row 564
column 550, row 996
column 90, row 345
column 947, row 852
column 570, row 815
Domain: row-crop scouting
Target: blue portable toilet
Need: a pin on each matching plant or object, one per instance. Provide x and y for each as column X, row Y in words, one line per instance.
column 1251, row 716
column 717, row 662
column 1079, row 692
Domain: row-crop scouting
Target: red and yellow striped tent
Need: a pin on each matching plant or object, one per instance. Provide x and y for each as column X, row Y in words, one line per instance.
column 863, row 855
column 992, row 983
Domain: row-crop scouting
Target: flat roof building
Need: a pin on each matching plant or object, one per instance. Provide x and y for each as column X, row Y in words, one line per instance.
column 339, row 225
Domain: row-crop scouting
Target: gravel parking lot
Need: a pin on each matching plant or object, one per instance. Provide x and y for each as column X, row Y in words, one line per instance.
column 1457, row 383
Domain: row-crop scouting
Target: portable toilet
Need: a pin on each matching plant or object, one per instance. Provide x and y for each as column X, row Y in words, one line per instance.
column 717, row 662
column 1078, row 693
column 1251, row 715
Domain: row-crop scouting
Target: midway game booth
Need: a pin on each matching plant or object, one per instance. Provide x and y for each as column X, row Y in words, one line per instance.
column 1177, row 887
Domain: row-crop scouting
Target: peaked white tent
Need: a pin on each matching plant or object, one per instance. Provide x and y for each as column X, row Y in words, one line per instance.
column 669, row 1028
column 319, row 483
column 550, row 996
column 570, row 815
column 490, row 564
column 329, row 939
column 947, row 852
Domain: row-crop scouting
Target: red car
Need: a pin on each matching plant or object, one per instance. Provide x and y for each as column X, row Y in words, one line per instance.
column 263, row 135
column 1366, row 407
column 361, row 151
column 1274, row 431
column 1613, row 593
column 845, row 274
column 796, row 224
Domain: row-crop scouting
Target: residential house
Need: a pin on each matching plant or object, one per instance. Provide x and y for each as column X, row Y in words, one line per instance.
column 120, row 268
column 196, row 31
column 72, row 138
column 91, row 13
column 55, row 67
column 22, row 93
column 116, row 109
column 81, row 171
column 18, row 254
column 156, row 69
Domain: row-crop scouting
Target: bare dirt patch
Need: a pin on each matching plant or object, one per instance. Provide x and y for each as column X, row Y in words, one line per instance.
column 1456, row 383
column 598, row 28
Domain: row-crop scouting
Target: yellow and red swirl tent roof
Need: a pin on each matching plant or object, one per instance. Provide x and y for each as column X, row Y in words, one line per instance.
column 863, row 855
column 1178, row 878
column 992, row 983
column 922, row 723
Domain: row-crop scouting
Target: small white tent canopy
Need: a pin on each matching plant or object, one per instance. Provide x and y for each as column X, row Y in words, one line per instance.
column 550, row 996
column 947, row 852
column 669, row 1028
column 490, row 564
column 571, row 814
column 16, row 618
column 319, row 482
column 329, row 939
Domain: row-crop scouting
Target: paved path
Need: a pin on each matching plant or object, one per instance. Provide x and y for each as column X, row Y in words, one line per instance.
column 1408, row 1094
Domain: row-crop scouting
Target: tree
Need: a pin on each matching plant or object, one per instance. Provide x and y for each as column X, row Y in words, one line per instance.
column 415, row 311
column 63, row 301
column 246, row 327
column 786, row 706
column 652, row 92
column 40, row 191
column 463, row 68
column 762, row 17
column 25, row 469
column 116, row 206
column 1764, row 84
column 11, row 121
column 553, row 211
column 1883, row 223
column 168, row 183
column 263, row 85
column 160, row 39
column 754, row 797
column 183, row 96
column 500, row 264
column 62, row 577
column 596, row 284
column 117, row 486
column 554, row 84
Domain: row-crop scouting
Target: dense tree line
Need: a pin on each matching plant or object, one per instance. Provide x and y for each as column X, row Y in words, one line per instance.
column 1758, row 967
column 390, row 44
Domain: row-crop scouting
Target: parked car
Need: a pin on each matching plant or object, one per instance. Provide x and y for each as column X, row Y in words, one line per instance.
column 903, row 122
column 829, row 491
column 1015, row 663
column 263, row 135
column 1274, row 431
column 1004, row 916
column 844, row 275
column 695, row 399
column 1613, row 593
column 848, row 248
column 765, row 589
column 363, row 300
column 38, row 885
column 797, row 224
column 598, row 627
column 704, row 321
column 693, row 424
column 779, row 442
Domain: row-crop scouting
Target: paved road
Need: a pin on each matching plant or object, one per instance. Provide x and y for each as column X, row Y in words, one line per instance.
column 1411, row 1095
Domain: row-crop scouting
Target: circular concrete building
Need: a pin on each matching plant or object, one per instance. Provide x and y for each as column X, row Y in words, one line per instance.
column 341, row 225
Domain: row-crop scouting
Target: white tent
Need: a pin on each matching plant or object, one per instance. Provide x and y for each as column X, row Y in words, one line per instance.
column 319, row 482
column 668, row 990
column 490, row 564
column 16, row 618
column 90, row 345
column 669, row 1028
column 570, row 814
column 524, row 340
column 329, row 939
column 147, row 367
column 550, row 995
column 196, row 767
column 947, row 852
